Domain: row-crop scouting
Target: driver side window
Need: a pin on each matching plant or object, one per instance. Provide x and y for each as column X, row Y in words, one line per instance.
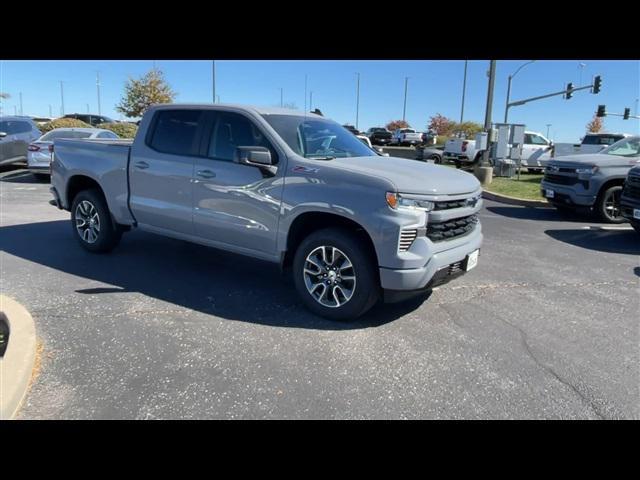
column 232, row 130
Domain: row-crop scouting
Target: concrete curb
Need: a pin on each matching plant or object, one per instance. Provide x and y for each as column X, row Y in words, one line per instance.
column 515, row 201
column 18, row 361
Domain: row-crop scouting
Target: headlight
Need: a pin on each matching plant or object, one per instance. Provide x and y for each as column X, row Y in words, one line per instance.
column 587, row 170
column 395, row 201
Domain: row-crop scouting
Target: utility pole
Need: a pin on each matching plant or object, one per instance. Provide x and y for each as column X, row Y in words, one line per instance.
column 311, row 100
column 357, row 99
column 404, row 110
column 21, row 112
column 98, row 87
column 213, row 77
column 464, row 89
column 281, row 97
column 61, row 97
column 487, row 116
column 548, row 125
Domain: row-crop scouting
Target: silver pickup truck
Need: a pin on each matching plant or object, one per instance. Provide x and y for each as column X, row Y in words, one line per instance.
column 283, row 186
column 593, row 181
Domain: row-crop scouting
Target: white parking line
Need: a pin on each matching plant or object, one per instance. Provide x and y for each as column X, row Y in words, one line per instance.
column 608, row 227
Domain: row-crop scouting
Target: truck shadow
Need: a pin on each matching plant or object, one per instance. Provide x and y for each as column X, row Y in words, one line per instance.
column 21, row 176
column 192, row 276
column 610, row 241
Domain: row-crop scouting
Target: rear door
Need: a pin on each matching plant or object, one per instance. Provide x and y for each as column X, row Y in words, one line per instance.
column 161, row 170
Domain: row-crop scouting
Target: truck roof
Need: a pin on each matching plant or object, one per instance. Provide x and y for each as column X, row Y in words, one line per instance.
column 257, row 109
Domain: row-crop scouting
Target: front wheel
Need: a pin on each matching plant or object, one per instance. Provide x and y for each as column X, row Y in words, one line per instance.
column 608, row 205
column 334, row 275
column 435, row 158
column 91, row 222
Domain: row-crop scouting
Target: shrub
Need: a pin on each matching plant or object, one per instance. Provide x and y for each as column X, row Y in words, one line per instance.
column 62, row 123
column 123, row 130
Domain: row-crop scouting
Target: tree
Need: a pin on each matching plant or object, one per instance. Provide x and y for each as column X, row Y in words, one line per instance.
column 469, row 128
column 141, row 93
column 595, row 125
column 394, row 124
column 440, row 124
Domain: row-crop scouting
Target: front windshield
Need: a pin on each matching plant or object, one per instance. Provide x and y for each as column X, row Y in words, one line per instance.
column 65, row 134
column 628, row 147
column 311, row 137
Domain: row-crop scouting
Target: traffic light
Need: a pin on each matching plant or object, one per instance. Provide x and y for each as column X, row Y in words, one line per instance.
column 602, row 111
column 569, row 93
column 627, row 112
column 597, row 83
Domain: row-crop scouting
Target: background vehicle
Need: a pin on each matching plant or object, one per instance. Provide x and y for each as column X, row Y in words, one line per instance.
column 429, row 138
column 41, row 120
column 16, row 133
column 39, row 151
column 287, row 187
column 429, row 154
column 463, row 151
column 352, row 129
column 379, row 135
column 91, row 119
column 592, row 181
column 406, row 136
column 630, row 198
column 591, row 143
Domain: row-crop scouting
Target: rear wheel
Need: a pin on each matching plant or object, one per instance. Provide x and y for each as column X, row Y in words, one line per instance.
column 334, row 275
column 435, row 158
column 608, row 205
column 92, row 224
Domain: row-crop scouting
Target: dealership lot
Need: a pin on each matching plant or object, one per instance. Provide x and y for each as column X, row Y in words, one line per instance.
column 545, row 327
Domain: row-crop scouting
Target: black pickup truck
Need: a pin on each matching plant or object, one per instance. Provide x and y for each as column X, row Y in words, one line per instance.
column 630, row 198
column 379, row 136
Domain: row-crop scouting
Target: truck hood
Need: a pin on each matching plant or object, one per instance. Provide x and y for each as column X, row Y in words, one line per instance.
column 599, row 159
column 412, row 176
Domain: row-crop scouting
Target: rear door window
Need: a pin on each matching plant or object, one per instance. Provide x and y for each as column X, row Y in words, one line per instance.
column 176, row 132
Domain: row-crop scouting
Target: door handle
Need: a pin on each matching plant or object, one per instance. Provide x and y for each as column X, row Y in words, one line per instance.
column 205, row 173
column 141, row 165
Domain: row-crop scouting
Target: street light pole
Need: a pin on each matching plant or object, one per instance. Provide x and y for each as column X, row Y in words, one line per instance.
column 50, row 112
column 548, row 125
column 213, row 79
column 404, row 110
column 506, row 105
column 357, row 100
column 98, row 88
column 311, row 100
column 61, row 97
column 487, row 115
column 464, row 89
column 21, row 112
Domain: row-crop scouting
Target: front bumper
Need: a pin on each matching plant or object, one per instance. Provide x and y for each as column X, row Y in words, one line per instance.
column 455, row 157
column 440, row 268
column 627, row 207
column 566, row 195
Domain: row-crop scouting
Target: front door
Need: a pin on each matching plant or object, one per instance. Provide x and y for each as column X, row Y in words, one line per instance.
column 234, row 204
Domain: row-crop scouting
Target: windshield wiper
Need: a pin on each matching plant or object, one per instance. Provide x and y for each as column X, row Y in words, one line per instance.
column 320, row 157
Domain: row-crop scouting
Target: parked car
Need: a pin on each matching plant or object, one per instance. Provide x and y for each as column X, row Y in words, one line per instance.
column 283, row 186
column 352, row 129
column 630, row 198
column 461, row 151
column 39, row 151
column 429, row 138
column 592, row 181
column 406, row 136
column 591, row 143
column 41, row 120
column 364, row 139
column 16, row 133
column 379, row 135
column 429, row 154
column 90, row 118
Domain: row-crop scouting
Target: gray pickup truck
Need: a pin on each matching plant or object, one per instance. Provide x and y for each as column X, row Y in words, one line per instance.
column 592, row 181
column 283, row 186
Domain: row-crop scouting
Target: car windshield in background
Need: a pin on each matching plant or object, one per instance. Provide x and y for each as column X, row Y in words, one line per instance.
column 52, row 135
column 600, row 140
column 314, row 138
column 629, row 147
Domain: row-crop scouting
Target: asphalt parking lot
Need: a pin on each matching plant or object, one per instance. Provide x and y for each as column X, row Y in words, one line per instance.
column 547, row 326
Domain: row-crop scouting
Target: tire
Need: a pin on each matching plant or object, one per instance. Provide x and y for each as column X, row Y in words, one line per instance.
column 86, row 205
column 607, row 205
column 436, row 159
column 356, row 296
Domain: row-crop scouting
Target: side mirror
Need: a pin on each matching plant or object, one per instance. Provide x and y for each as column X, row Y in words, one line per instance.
column 255, row 157
column 3, row 134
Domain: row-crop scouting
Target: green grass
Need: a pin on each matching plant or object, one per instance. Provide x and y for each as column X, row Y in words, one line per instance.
column 528, row 187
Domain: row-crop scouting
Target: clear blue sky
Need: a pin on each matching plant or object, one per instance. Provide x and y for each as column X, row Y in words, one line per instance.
column 434, row 87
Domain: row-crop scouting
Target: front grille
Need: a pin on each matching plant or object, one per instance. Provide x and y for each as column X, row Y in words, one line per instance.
column 451, row 229
column 632, row 187
column 565, row 180
column 449, row 205
column 407, row 237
